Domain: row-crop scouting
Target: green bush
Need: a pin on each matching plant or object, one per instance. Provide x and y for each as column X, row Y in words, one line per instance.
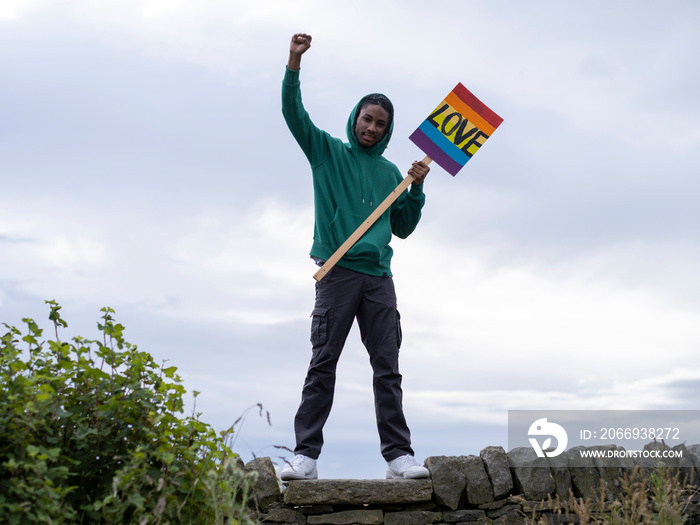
column 90, row 433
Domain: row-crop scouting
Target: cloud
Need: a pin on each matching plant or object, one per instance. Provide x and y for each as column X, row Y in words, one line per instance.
column 491, row 406
column 14, row 9
column 70, row 252
column 515, row 324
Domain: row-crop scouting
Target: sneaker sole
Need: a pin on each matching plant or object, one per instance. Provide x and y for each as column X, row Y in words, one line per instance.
column 294, row 476
column 391, row 475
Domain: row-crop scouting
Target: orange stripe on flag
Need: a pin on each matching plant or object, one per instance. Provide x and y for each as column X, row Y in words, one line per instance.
column 466, row 111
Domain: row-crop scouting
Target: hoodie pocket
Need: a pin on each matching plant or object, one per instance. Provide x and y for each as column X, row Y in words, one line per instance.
column 343, row 225
column 371, row 245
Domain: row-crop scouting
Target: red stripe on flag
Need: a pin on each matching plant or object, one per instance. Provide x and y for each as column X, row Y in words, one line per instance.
column 477, row 105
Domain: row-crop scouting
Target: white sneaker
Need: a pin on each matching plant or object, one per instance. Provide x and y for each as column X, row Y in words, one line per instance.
column 299, row 467
column 405, row 467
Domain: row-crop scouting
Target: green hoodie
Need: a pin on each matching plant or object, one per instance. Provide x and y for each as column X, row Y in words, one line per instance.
column 349, row 181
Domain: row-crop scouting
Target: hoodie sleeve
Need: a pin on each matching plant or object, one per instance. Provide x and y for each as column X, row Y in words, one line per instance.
column 312, row 140
column 406, row 214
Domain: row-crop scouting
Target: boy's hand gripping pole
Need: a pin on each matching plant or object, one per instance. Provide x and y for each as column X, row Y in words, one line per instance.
column 369, row 221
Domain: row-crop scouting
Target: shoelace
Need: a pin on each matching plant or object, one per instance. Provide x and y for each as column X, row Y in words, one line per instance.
column 407, row 460
column 296, row 461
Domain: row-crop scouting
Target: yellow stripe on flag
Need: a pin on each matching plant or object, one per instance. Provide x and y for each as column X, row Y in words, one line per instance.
column 451, row 123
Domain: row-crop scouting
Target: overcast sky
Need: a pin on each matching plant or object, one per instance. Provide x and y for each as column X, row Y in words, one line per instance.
column 145, row 165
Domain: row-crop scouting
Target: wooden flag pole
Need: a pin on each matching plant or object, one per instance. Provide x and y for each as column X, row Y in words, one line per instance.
column 369, row 221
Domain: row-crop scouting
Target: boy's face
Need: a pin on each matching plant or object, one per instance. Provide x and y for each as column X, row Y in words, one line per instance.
column 371, row 125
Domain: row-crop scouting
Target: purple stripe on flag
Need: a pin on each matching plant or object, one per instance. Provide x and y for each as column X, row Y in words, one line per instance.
column 435, row 152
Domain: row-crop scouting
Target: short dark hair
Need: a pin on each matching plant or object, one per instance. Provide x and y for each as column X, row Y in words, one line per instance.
column 377, row 99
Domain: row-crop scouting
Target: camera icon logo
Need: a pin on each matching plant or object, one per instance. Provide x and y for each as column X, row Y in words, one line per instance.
column 542, row 427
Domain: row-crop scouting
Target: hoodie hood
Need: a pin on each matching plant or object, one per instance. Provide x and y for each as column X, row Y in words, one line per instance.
column 380, row 146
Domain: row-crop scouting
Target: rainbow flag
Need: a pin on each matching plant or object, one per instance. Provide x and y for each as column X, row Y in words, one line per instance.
column 456, row 130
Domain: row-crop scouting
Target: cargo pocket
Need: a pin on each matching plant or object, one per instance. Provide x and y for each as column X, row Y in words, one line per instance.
column 319, row 326
column 399, row 334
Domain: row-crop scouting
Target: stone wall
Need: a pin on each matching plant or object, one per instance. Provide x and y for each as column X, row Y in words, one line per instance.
column 494, row 487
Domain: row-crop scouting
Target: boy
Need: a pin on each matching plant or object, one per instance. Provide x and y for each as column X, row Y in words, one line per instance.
column 349, row 179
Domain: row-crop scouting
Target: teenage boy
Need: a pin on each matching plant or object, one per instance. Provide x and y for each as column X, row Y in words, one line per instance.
column 349, row 180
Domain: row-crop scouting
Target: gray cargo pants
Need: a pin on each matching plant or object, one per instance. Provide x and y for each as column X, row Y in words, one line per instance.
column 341, row 296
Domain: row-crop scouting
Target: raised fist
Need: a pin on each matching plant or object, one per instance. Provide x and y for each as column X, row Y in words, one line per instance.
column 300, row 43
